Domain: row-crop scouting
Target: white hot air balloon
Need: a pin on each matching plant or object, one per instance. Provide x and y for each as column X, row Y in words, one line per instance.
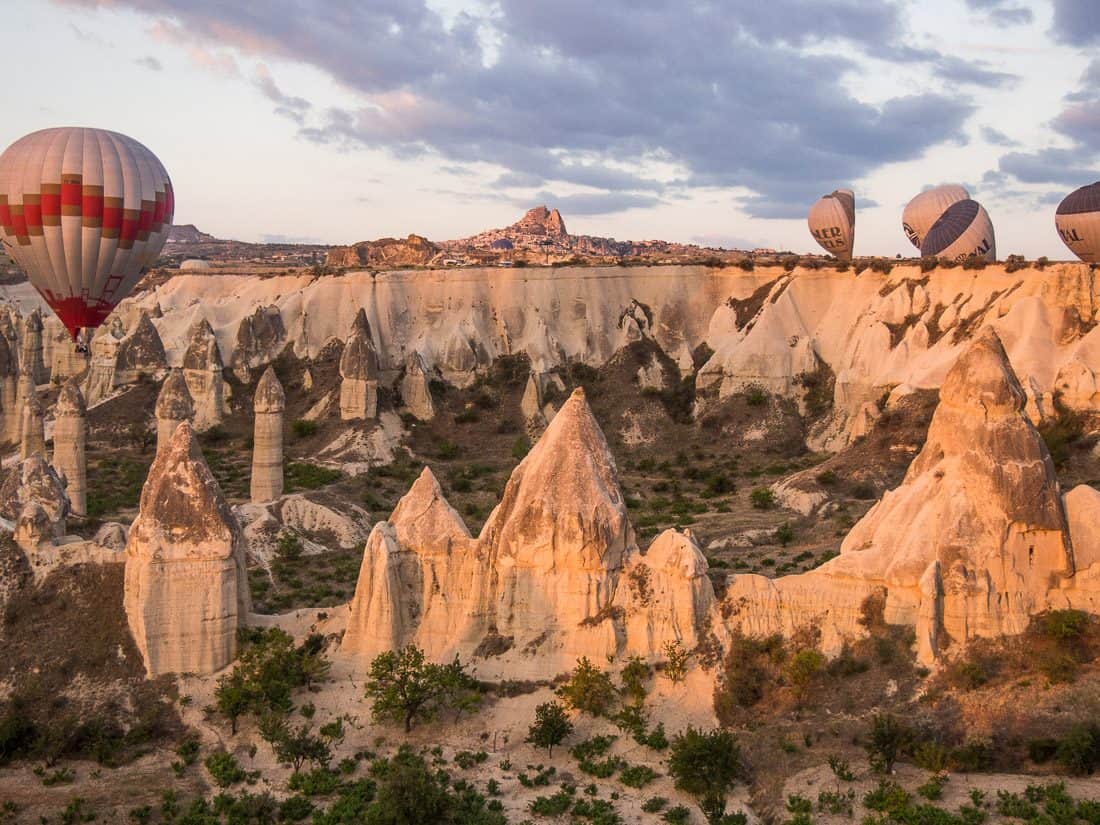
column 963, row 231
column 832, row 222
column 84, row 212
column 1078, row 222
column 925, row 209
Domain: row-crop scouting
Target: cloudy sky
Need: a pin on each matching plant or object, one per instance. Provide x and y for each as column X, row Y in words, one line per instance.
column 710, row 121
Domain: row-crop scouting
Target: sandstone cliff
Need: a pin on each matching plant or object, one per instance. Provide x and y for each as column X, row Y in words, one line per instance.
column 389, row 252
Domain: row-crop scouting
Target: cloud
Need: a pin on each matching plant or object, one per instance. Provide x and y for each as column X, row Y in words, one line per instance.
column 150, row 62
column 597, row 203
column 1003, row 12
column 1066, row 166
column 996, row 137
column 1077, row 22
column 733, row 94
column 288, row 106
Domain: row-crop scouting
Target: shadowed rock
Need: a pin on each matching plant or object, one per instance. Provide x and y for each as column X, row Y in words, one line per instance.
column 359, row 373
column 173, row 407
column 70, row 433
column 267, row 449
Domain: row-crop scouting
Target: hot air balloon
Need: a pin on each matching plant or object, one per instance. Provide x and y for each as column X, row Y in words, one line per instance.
column 84, row 212
column 925, row 209
column 832, row 222
column 1078, row 222
column 964, row 230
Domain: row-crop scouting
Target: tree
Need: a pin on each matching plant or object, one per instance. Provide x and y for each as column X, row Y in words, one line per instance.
column 706, row 765
column 550, row 728
column 404, row 687
column 802, row 669
column 887, row 738
column 294, row 746
column 233, row 697
column 634, row 675
column 589, row 689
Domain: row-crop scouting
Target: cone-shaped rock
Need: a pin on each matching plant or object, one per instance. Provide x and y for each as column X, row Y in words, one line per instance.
column 267, row 449
column 186, row 589
column 32, row 347
column 11, row 415
column 416, row 389
column 33, row 435
column 141, row 353
column 422, row 580
column 970, row 544
column 359, row 373
column 34, row 482
column 560, row 535
column 70, row 434
column 203, row 368
column 173, row 407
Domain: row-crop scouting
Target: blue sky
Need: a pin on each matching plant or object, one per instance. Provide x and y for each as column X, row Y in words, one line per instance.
column 710, row 121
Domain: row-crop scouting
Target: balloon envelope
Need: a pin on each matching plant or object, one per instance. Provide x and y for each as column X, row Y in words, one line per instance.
column 84, row 212
column 925, row 209
column 1078, row 222
column 832, row 222
column 964, row 230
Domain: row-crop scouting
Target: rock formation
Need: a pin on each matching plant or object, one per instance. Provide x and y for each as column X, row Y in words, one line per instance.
column 186, row 590
column 555, row 573
column 969, row 545
column 541, row 221
column 140, row 354
column 202, row 368
column 32, row 436
column 260, row 338
column 70, row 432
column 537, row 404
column 62, row 359
column 389, row 252
column 11, row 416
column 34, row 495
column 100, row 381
column 267, row 449
column 31, row 354
column 359, row 373
column 173, row 407
column 416, row 388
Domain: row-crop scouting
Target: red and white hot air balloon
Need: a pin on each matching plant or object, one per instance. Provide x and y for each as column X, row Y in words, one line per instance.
column 84, row 212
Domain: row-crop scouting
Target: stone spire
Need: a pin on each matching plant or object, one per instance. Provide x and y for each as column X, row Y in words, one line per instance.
column 11, row 416
column 186, row 591
column 33, row 427
column 140, row 354
column 359, row 373
column 267, row 449
column 173, row 407
column 416, row 389
column 203, row 367
column 69, row 438
column 32, row 347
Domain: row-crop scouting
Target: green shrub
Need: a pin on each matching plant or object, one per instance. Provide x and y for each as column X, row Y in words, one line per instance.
column 1079, row 751
column 224, row 769
column 1065, row 624
column 677, row 816
column 885, row 741
column 888, row 797
column 555, row 805
column 637, row 776
column 654, row 804
column 550, row 728
column 588, row 689
column 762, row 498
column 303, row 428
column 301, row 475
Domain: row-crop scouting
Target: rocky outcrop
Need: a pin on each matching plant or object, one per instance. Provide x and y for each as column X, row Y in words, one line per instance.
column 970, row 545
column 267, row 445
column 173, row 407
column 140, row 354
column 31, row 354
column 261, row 336
column 541, row 221
column 100, row 381
column 186, row 590
column 554, row 575
column 70, row 433
column 32, row 434
column 202, row 369
column 384, row 252
column 33, row 495
column 416, row 389
column 63, row 361
column 537, row 404
column 359, row 373
column 11, row 415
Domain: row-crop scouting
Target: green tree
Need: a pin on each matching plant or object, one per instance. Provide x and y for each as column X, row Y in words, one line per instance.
column 706, row 765
column 294, row 745
column 887, row 738
column 405, row 687
column 233, row 698
column 634, row 675
column 408, row 793
column 589, row 689
column 550, row 727
column 802, row 670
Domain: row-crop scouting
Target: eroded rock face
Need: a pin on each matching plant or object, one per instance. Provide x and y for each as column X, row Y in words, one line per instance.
column 33, row 426
column 173, row 407
column 32, row 348
column 10, row 414
column 416, row 389
column 186, row 589
column 34, row 486
column 100, row 380
column 202, row 369
column 359, row 373
column 261, row 336
column 140, row 354
column 969, row 545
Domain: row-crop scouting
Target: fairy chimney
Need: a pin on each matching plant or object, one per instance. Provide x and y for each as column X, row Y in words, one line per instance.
column 69, row 437
column 267, row 449
column 173, row 407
